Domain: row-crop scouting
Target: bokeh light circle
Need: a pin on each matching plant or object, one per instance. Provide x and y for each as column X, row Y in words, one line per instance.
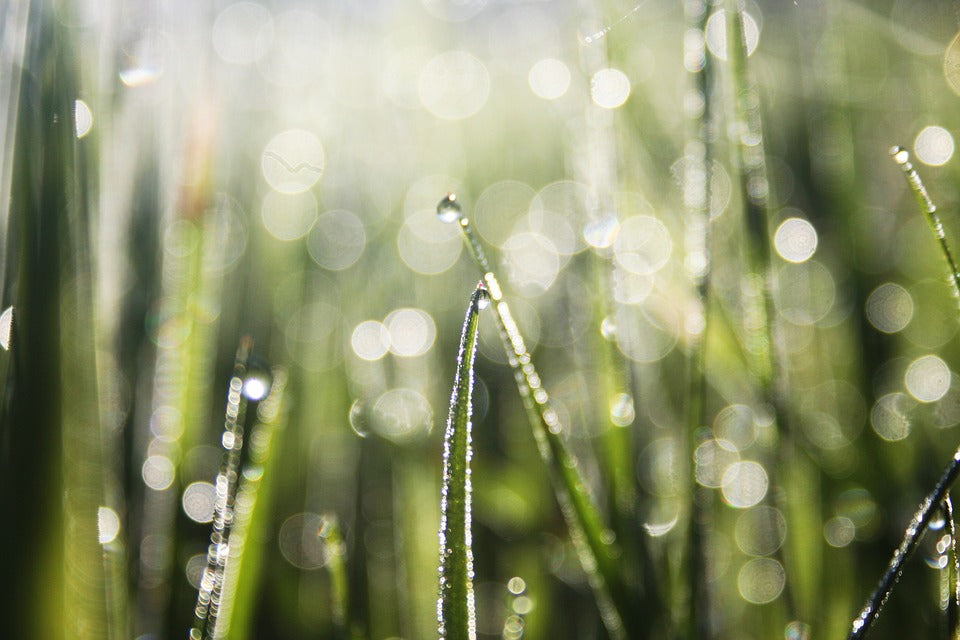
column 761, row 580
column 293, row 161
column 454, row 85
column 744, row 484
column 934, row 146
column 370, row 340
column 795, row 240
column 337, row 240
column 411, row 332
column 889, row 307
column 198, row 500
column 643, row 245
column 549, row 78
column 927, row 378
column 609, row 88
column 288, row 217
column 890, row 416
column 402, row 415
column 242, row 33
column 716, row 33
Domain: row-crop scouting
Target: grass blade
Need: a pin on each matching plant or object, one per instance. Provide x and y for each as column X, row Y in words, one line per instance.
column 911, row 537
column 696, row 192
column 902, row 157
column 590, row 536
column 211, row 584
column 921, row 519
column 242, row 574
column 455, row 607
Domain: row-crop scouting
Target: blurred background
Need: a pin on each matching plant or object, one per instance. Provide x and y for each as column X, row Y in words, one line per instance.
column 177, row 175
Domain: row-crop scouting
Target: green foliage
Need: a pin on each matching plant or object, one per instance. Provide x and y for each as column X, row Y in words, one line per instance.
column 744, row 344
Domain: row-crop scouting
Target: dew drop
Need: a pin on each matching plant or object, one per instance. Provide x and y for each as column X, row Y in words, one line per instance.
column 448, row 209
column 358, row 419
column 6, row 327
column 900, row 155
column 622, row 412
column 483, row 300
column 608, row 328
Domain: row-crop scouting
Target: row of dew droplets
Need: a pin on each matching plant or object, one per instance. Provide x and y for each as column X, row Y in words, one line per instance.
column 902, row 157
column 593, row 541
column 244, row 385
column 456, row 611
column 926, row 515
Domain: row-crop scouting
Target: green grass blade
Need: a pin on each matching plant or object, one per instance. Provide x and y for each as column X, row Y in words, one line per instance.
column 590, row 536
column 902, row 157
column 911, row 538
column 921, row 520
column 336, row 567
column 455, row 607
column 696, row 190
column 210, row 592
column 252, row 508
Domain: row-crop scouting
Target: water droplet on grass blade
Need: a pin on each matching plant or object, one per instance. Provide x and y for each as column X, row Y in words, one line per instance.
column 448, row 209
column 6, row 327
column 622, row 412
column 900, row 155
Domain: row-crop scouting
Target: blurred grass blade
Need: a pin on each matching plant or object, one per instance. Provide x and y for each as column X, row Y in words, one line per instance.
column 911, row 537
column 902, row 157
column 336, row 566
column 952, row 574
column 455, row 607
column 696, row 193
column 587, row 531
column 209, row 595
column 252, row 507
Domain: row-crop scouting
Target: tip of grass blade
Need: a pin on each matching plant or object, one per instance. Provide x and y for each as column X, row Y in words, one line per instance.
column 456, row 614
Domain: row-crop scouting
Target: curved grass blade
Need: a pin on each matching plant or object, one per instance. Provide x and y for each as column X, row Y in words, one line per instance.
column 591, row 538
column 921, row 520
column 455, row 607
column 911, row 537
column 902, row 157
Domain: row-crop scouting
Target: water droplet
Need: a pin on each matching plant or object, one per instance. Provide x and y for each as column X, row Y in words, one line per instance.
column 796, row 630
column 483, row 300
column 608, row 328
column 448, row 209
column 900, row 155
column 6, row 327
column 256, row 384
column 358, row 419
column 937, row 521
column 622, row 412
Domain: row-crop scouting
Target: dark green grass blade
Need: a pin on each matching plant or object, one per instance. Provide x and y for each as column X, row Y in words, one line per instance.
column 911, row 537
column 921, row 520
column 590, row 536
column 455, row 607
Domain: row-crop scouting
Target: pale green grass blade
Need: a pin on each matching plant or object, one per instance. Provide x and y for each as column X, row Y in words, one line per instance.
column 455, row 607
